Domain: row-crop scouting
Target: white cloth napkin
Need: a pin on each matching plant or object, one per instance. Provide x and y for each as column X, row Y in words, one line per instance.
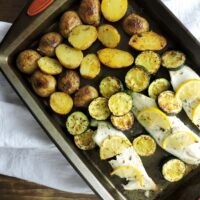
column 25, row 150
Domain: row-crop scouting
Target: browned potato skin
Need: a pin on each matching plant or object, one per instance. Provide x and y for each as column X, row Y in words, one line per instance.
column 27, row 61
column 48, row 43
column 84, row 96
column 43, row 85
column 89, row 12
column 133, row 24
column 68, row 21
column 69, row 82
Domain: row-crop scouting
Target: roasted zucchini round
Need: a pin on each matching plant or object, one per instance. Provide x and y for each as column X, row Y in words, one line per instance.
column 98, row 109
column 134, row 23
column 157, row 86
column 169, row 103
column 61, row 103
column 149, row 60
column 120, row 103
column 173, row 59
column 85, row 141
column 109, row 86
column 144, row 145
column 69, row 82
column 49, row 65
column 77, row 123
column 137, row 79
column 124, row 122
column 90, row 66
column 174, row 170
column 108, row 35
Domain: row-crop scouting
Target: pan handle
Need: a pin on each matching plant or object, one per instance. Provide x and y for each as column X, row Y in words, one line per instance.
column 26, row 28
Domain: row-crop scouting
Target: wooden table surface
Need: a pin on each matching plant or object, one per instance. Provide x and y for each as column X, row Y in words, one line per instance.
column 15, row 189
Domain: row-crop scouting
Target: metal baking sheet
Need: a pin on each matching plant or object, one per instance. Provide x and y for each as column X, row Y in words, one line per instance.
column 25, row 34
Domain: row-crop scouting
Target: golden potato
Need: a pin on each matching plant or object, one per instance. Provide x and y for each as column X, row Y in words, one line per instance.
column 90, row 66
column 48, row 43
column 108, row 35
column 133, row 24
column 68, row 21
column 43, row 85
column 69, row 82
column 84, row 96
column 27, row 61
column 82, row 36
column 147, row 41
column 114, row 10
column 115, row 58
column 89, row 11
column 49, row 65
column 69, row 57
column 61, row 103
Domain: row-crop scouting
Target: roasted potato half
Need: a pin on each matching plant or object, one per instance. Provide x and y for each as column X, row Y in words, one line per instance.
column 27, row 61
column 48, row 43
column 114, row 10
column 134, row 23
column 89, row 11
column 84, row 96
column 61, row 103
column 69, row 82
column 147, row 41
column 82, row 36
column 43, row 84
column 108, row 35
column 69, row 57
column 90, row 66
column 68, row 21
column 49, row 65
column 115, row 58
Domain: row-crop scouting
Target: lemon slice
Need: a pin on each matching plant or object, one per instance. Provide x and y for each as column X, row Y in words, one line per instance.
column 179, row 140
column 155, row 121
column 196, row 115
column 189, row 90
column 129, row 172
column 112, row 146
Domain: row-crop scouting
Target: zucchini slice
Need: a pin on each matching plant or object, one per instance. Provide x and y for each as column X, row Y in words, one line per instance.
column 144, row 145
column 85, row 141
column 124, row 122
column 120, row 103
column 169, row 103
column 109, row 86
column 77, row 123
column 157, row 86
column 173, row 59
column 137, row 79
column 174, row 170
column 98, row 109
column 149, row 60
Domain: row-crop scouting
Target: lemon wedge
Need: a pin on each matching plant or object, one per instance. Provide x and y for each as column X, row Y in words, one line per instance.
column 155, row 121
column 129, row 172
column 189, row 90
column 179, row 140
column 112, row 146
column 196, row 115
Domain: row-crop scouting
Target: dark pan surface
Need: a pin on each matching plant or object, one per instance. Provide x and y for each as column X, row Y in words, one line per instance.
column 95, row 171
